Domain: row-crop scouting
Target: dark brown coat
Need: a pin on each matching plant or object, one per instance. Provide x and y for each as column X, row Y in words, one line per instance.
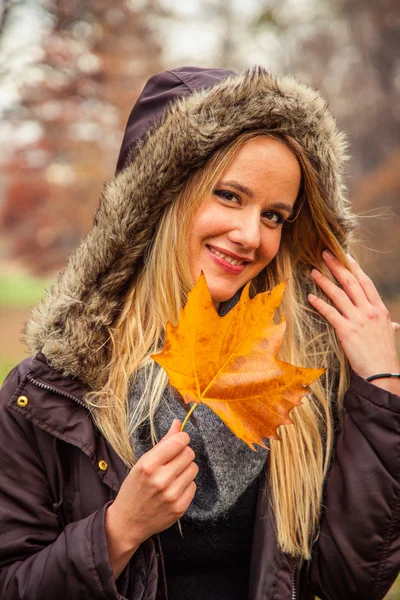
column 57, row 476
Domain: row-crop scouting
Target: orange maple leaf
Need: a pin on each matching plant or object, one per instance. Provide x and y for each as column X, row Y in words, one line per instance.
column 230, row 363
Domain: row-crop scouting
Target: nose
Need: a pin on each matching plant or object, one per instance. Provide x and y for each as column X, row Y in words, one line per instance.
column 246, row 230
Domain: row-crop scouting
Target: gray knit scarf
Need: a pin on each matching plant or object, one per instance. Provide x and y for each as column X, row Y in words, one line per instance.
column 227, row 466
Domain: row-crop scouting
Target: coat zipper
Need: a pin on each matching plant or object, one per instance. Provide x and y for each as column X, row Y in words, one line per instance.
column 294, row 583
column 57, row 391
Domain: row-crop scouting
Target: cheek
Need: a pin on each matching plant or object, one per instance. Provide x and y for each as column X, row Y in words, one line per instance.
column 199, row 231
column 208, row 223
column 270, row 245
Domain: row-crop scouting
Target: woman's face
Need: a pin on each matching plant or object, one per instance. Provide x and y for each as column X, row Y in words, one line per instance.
column 242, row 219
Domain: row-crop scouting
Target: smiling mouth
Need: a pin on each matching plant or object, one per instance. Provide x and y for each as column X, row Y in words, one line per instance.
column 232, row 261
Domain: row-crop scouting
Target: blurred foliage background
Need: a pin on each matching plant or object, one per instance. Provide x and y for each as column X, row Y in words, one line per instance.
column 70, row 71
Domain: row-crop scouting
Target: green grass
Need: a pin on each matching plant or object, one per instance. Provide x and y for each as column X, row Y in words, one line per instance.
column 17, row 294
column 5, row 368
column 394, row 593
column 21, row 291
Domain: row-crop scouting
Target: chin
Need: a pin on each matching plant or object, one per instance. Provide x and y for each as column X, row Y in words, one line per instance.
column 219, row 296
column 221, row 291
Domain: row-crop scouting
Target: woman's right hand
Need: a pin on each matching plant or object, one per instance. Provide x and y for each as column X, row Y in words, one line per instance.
column 156, row 492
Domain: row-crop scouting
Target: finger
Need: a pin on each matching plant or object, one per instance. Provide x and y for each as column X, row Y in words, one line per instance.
column 346, row 278
column 175, row 428
column 187, row 497
column 366, row 282
column 329, row 312
column 396, row 326
column 177, row 465
column 337, row 295
column 167, row 449
column 181, row 483
column 166, row 476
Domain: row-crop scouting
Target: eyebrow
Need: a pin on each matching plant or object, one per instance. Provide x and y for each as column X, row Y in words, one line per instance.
column 245, row 190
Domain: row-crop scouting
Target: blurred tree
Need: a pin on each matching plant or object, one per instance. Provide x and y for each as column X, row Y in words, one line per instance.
column 94, row 61
column 4, row 9
column 96, row 57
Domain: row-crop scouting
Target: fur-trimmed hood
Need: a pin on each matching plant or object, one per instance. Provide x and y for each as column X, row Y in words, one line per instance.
column 180, row 119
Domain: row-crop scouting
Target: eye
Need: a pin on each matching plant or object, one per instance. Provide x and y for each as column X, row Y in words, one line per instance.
column 274, row 217
column 226, row 195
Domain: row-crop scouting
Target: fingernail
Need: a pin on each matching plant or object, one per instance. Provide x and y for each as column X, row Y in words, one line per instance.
column 349, row 256
column 328, row 254
column 311, row 297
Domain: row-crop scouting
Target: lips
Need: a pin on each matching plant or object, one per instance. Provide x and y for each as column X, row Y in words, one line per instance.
column 224, row 264
column 230, row 254
column 232, row 261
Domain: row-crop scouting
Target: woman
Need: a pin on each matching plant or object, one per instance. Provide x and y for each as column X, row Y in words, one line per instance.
column 214, row 168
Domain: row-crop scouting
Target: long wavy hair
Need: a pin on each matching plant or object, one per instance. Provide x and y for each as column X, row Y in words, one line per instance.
column 299, row 460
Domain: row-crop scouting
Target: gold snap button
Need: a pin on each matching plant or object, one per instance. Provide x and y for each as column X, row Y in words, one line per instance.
column 103, row 466
column 22, row 401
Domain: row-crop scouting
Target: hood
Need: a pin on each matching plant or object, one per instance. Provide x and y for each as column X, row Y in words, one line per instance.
column 180, row 119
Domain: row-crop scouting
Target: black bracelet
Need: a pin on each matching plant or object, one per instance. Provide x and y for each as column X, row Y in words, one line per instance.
column 382, row 375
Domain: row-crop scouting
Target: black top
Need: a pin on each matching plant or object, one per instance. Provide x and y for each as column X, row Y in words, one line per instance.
column 212, row 559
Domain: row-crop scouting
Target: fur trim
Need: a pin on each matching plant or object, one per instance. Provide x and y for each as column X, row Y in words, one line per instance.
column 70, row 326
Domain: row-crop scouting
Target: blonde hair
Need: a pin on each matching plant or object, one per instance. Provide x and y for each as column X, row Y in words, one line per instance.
column 299, row 461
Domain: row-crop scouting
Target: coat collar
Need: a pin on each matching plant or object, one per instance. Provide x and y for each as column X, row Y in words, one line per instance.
column 56, row 405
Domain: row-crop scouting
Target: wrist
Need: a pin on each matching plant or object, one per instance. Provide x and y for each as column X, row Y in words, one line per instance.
column 119, row 535
column 371, row 370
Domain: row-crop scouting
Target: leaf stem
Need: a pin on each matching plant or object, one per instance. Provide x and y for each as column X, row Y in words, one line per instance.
column 188, row 416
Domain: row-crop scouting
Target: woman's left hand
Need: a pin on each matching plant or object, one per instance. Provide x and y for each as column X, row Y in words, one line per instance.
column 361, row 320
